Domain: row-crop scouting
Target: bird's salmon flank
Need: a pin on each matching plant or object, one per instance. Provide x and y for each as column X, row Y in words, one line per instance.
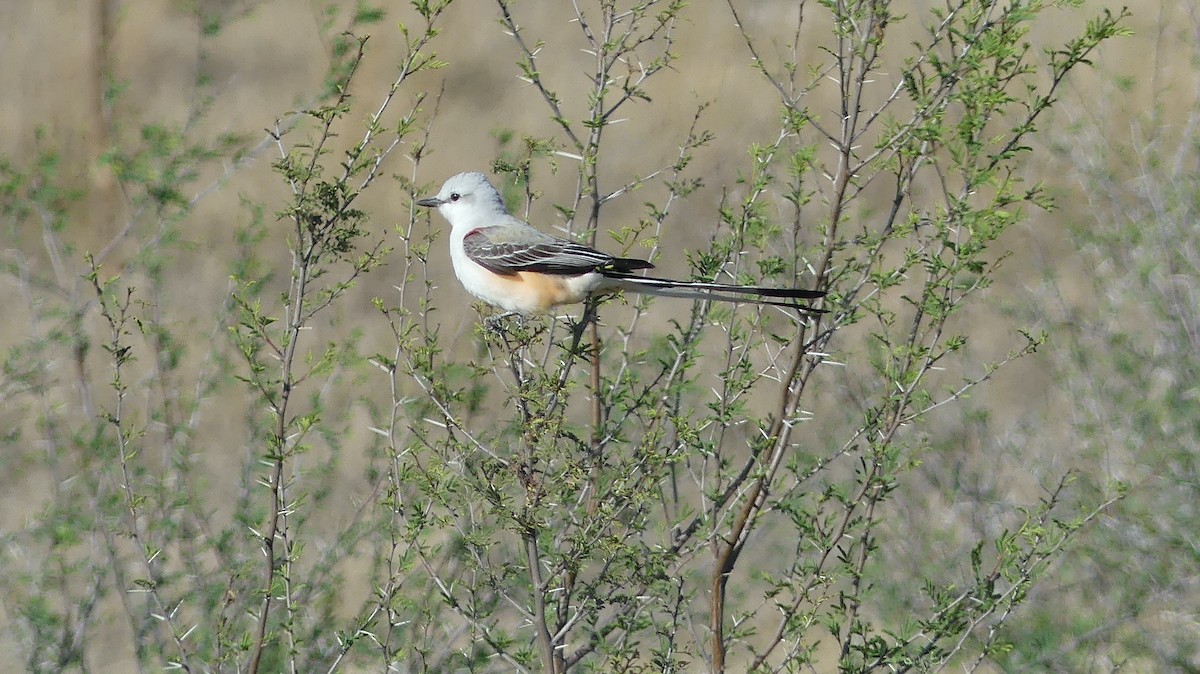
column 548, row 291
column 507, row 263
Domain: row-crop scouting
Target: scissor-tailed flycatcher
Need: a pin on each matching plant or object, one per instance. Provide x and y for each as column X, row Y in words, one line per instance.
column 505, row 262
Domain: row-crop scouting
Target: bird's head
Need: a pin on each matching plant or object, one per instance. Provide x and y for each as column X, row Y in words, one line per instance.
column 466, row 199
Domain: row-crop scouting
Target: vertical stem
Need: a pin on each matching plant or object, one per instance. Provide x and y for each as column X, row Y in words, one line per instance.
column 597, row 405
column 101, row 72
column 550, row 663
column 269, row 553
column 303, row 261
column 716, row 612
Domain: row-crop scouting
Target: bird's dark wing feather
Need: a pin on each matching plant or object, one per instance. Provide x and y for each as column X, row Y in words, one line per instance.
column 548, row 255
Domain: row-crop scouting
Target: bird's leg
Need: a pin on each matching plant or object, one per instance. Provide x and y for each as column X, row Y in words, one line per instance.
column 493, row 322
column 514, row 334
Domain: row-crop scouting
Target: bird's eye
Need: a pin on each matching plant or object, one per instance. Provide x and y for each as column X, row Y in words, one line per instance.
column 455, row 196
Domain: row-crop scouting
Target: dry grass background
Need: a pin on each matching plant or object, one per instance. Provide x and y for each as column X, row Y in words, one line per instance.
column 266, row 62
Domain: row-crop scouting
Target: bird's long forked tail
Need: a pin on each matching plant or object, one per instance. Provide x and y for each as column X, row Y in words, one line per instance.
column 700, row 290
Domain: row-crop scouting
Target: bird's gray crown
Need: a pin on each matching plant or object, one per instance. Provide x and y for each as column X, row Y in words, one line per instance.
column 472, row 188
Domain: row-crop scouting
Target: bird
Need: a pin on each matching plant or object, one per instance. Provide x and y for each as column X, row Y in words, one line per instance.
column 511, row 265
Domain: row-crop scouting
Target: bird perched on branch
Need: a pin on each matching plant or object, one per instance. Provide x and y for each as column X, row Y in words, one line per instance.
column 508, row 264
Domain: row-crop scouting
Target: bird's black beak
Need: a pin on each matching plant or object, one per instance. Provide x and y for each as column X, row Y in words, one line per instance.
column 431, row 202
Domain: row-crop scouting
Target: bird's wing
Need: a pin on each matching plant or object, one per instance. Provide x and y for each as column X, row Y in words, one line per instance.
column 508, row 249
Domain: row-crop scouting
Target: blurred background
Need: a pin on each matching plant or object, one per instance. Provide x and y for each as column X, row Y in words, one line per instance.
column 1111, row 274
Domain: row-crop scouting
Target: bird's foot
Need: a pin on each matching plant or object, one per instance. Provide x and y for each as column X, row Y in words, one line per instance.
column 495, row 322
